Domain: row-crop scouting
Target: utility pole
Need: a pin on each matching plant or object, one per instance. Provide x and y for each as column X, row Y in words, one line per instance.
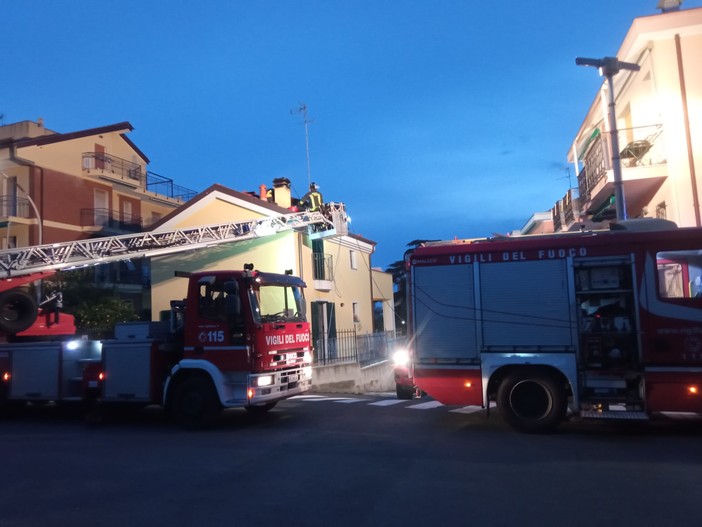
column 303, row 110
column 609, row 67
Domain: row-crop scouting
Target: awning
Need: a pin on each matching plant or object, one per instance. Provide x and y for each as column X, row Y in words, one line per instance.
column 585, row 144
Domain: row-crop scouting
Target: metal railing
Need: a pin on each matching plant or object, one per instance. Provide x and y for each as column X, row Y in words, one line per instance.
column 350, row 347
column 323, row 267
column 113, row 165
column 165, row 186
column 110, row 219
column 643, row 146
column 14, row 206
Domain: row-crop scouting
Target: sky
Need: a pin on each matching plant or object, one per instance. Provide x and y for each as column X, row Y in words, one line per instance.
column 429, row 119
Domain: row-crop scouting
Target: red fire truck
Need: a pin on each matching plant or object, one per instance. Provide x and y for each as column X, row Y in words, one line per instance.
column 239, row 338
column 607, row 324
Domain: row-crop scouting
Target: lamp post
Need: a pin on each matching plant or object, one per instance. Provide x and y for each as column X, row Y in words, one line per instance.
column 609, row 67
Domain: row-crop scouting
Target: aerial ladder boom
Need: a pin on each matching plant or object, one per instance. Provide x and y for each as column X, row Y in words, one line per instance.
column 332, row 221
column 21, row 266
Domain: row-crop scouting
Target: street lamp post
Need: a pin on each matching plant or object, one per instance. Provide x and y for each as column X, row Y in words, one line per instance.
column 609, row 67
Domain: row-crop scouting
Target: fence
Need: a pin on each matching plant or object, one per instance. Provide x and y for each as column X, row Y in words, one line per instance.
column 349, row 347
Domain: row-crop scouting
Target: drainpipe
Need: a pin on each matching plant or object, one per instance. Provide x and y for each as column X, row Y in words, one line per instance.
column 688, row 135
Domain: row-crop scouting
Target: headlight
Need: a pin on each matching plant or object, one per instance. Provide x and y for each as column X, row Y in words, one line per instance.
column 265, row 380
column 401, row 357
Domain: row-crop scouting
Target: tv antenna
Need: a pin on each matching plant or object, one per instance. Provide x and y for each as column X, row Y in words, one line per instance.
column 306, row 121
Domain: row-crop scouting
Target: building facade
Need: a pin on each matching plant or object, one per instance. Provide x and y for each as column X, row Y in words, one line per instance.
column 343, row 291
column 57, row 187
column 659, row 129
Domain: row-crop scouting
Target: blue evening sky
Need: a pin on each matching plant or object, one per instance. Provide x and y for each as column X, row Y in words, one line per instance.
column 432, row 119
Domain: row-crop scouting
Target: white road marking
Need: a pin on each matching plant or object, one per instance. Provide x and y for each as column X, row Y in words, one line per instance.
column 386, row 402
column 468, row 410
column 426, row 406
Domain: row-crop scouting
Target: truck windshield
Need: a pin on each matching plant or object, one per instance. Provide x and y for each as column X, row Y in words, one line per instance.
column 275, row 303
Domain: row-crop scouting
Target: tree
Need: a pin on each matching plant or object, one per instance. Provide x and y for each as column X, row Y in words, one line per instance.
column 92, row 305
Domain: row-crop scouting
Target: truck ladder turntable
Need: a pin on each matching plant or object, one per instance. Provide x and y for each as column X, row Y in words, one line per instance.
column 331, row 221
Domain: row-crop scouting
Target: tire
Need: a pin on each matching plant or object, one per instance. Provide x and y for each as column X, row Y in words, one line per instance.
column 195, row 404
column 260, row 409
column 532, row 401
column 18, row 311
column 404, row 392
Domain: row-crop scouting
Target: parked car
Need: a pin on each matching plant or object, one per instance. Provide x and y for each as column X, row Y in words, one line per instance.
column 404, row 383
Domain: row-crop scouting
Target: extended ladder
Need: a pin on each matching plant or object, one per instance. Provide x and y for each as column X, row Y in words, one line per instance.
column 332, row 221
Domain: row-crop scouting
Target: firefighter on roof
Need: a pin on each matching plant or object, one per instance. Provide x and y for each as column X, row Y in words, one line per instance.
column 313, row 200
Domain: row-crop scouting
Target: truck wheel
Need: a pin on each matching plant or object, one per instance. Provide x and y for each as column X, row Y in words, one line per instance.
column 533, row 402
column 260, row 409
column 18, row 311
column 404, row 392
column 195, row 403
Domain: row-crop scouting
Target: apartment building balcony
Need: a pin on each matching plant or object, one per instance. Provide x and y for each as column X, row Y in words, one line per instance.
column 117, row 170
column 165, row 187
column 113, row 168
column 566, row 212
column 12, row 206
column 323, row 271
column 643, row 167
column 110, row 221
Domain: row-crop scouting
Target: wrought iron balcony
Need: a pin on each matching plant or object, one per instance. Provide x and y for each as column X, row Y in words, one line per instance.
column 323, row 267
column 114, row 168
column 643, row 152
column 110, row 220
column 164, row 186
column 14, row 206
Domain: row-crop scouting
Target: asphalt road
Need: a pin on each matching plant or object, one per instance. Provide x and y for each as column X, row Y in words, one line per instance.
column 346, row 461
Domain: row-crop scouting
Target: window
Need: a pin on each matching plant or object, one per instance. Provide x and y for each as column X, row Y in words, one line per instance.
column 9, row 242
column 101, row 207
column 354, row 263
column 679, row 274
column 356, row 314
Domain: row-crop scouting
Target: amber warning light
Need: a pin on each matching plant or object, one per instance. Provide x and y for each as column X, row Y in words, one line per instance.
column 693, row 389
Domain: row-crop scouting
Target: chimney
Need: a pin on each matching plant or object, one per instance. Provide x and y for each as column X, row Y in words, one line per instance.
column 281, row 192
column 669, row 5
column 262, row 192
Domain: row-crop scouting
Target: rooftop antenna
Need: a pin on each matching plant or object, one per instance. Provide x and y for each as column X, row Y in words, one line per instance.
column 306, row 121
column 568, row 176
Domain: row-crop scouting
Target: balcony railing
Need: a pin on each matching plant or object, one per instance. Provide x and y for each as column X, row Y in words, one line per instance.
column 571, row 209
column 116, row 167
column 109, row 219
column 165, row 186
column 14, row 206
column 323, row 267
column 643, row 146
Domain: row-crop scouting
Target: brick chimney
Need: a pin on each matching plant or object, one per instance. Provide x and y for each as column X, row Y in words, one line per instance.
column 281, row 192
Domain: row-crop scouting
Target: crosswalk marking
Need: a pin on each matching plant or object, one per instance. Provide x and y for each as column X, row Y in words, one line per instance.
column 426, row 406
column 387, row 402
column 467, row 410
column 431, row 404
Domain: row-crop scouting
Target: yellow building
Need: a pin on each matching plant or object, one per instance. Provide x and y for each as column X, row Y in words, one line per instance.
column 342, row 289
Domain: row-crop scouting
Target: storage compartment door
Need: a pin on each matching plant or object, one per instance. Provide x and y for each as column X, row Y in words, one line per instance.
column 526, row 304
column 444, row 309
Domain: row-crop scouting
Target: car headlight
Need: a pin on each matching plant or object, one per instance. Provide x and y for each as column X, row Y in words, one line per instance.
column 401, row 357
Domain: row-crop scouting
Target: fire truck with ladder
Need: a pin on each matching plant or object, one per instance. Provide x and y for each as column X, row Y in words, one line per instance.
column 601, row 324
column 239, row 338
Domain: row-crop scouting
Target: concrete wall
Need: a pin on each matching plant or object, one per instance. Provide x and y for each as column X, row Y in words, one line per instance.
column 352, row 378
